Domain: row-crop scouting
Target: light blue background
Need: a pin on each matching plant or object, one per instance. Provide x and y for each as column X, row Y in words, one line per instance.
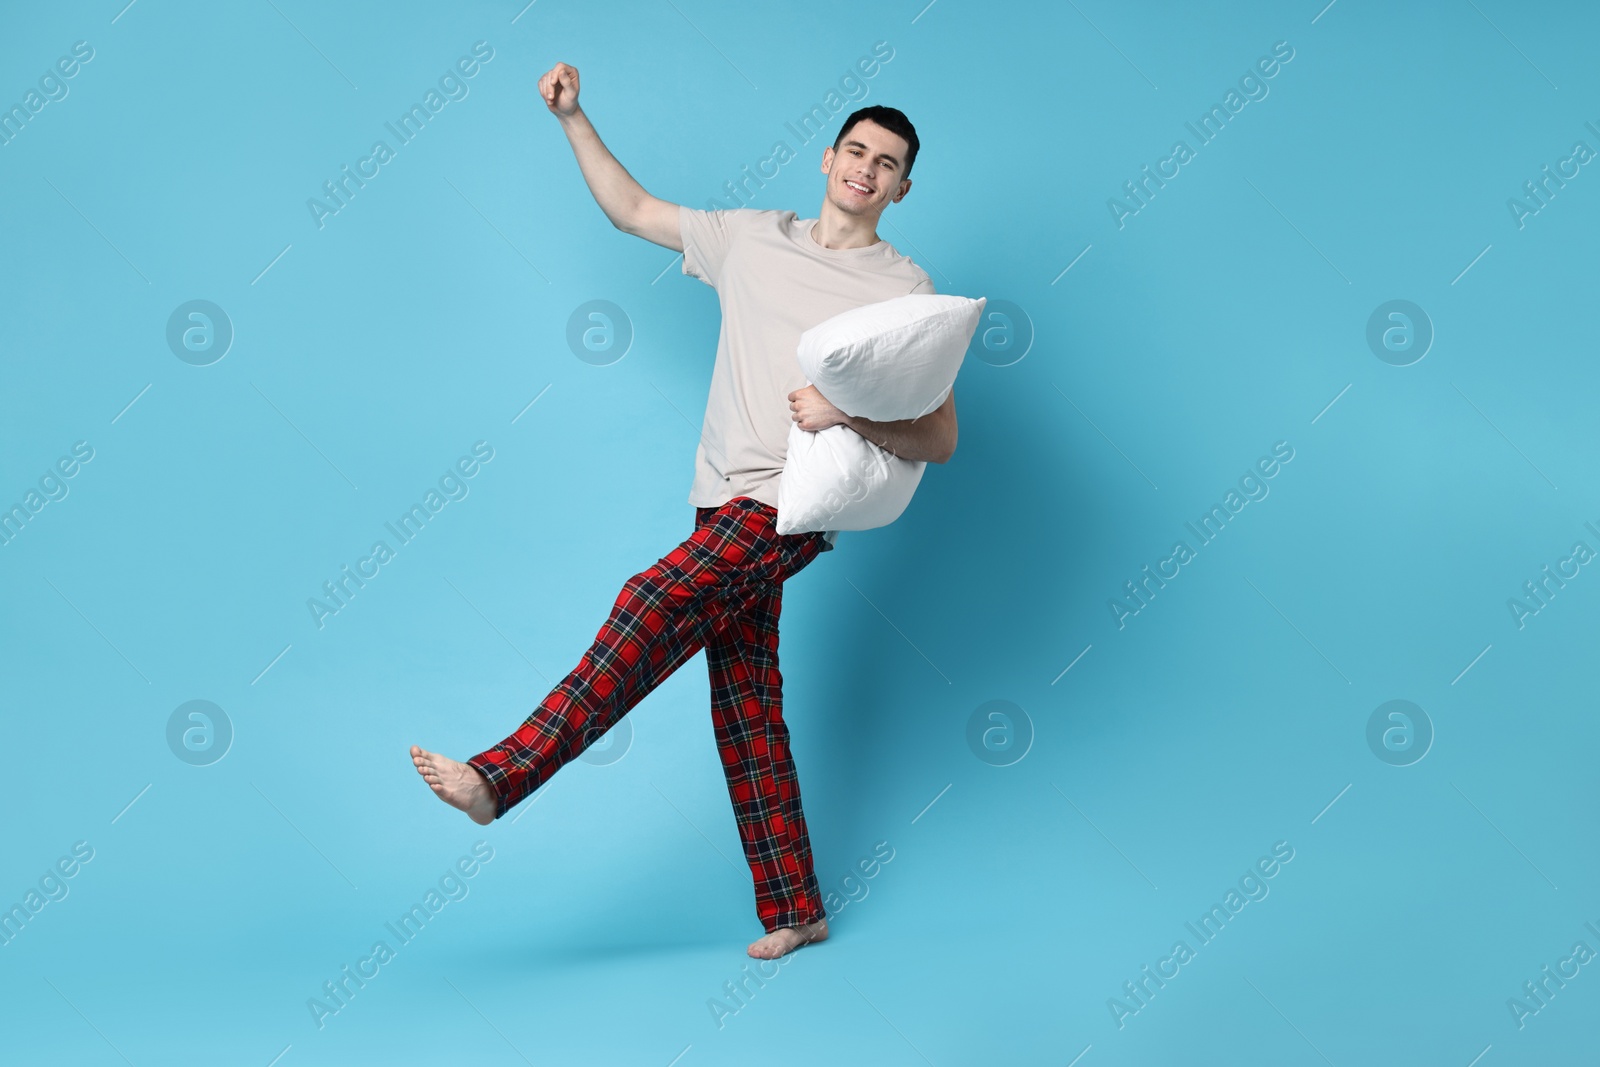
column 1228, row 715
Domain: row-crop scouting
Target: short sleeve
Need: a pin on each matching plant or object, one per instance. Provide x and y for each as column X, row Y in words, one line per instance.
column 706, row 236
column 926, row 286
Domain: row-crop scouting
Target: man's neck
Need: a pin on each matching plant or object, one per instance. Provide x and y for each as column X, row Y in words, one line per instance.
column 839, row 232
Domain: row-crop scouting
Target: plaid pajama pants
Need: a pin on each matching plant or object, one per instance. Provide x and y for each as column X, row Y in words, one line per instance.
column 721, row 590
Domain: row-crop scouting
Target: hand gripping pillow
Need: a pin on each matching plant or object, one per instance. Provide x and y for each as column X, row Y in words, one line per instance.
column 895, row 359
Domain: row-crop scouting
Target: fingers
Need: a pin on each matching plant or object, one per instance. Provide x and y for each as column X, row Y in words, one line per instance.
column 559, row 82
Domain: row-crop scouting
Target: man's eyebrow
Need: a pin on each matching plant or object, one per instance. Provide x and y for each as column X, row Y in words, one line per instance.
column 881, row 155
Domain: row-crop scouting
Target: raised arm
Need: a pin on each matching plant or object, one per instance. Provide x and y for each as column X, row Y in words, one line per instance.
column 625, row 202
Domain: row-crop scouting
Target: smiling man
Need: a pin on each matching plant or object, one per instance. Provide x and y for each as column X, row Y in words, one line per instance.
column 776, row 275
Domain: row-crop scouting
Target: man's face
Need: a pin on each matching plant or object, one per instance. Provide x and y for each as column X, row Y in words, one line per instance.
column 864, row 174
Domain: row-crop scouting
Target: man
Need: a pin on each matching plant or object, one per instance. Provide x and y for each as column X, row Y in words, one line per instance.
column 776, row 275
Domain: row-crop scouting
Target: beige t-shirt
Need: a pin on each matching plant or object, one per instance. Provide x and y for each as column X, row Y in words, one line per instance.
column 774, row 282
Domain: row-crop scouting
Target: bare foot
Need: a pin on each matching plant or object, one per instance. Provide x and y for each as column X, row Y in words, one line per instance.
column 786, row 940
column 457, row 784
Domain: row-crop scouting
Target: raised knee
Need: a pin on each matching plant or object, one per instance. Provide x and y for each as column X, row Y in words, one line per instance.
column 657, row 588
column 643, row 581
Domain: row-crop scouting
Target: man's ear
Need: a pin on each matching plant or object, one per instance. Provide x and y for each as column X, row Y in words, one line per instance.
column 827, row 160
column 905, row 188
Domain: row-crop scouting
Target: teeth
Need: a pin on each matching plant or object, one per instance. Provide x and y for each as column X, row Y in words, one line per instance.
column 857, row 185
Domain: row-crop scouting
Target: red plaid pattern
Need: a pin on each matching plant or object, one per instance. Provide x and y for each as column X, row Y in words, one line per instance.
column 721, row 590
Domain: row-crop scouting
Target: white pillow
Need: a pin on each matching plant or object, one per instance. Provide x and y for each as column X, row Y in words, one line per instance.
column 835, row 479
column 895, row 359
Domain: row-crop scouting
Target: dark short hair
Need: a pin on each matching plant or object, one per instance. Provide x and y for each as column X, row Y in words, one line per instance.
column 890, row 119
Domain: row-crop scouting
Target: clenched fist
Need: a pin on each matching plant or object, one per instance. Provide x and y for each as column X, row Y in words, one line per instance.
column 559, row 87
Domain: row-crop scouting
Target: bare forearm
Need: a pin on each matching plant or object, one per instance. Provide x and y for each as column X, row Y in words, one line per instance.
column 613, row 187
column 931, row 438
